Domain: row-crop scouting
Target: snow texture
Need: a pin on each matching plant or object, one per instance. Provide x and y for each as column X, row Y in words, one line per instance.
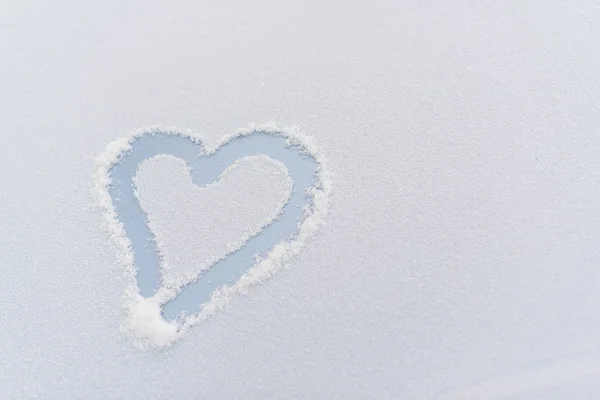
column 461, row 239
column 145, row 325
column 575, row 376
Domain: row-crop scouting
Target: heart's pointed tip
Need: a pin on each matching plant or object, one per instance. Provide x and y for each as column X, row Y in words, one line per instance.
column 147, row 327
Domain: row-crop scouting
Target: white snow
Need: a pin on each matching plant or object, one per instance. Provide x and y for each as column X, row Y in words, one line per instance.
column 461, row 239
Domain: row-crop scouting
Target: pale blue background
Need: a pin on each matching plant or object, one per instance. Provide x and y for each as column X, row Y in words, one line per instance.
column 462, row 241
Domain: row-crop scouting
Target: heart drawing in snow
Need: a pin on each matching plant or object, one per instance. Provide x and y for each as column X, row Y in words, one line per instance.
column 161, row 309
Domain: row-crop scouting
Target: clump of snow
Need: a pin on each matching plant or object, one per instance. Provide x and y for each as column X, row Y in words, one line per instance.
column 144, row 322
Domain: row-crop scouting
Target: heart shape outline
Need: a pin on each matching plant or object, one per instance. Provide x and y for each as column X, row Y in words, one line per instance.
column 145, row 324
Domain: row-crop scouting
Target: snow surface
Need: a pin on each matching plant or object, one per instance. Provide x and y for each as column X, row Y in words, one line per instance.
column 577, row 379
column 461, row 243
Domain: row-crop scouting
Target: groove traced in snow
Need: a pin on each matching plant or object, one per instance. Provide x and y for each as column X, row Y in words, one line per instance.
column 144, row 323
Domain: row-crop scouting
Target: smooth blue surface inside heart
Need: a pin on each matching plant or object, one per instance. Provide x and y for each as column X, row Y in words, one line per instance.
column 204, row 170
